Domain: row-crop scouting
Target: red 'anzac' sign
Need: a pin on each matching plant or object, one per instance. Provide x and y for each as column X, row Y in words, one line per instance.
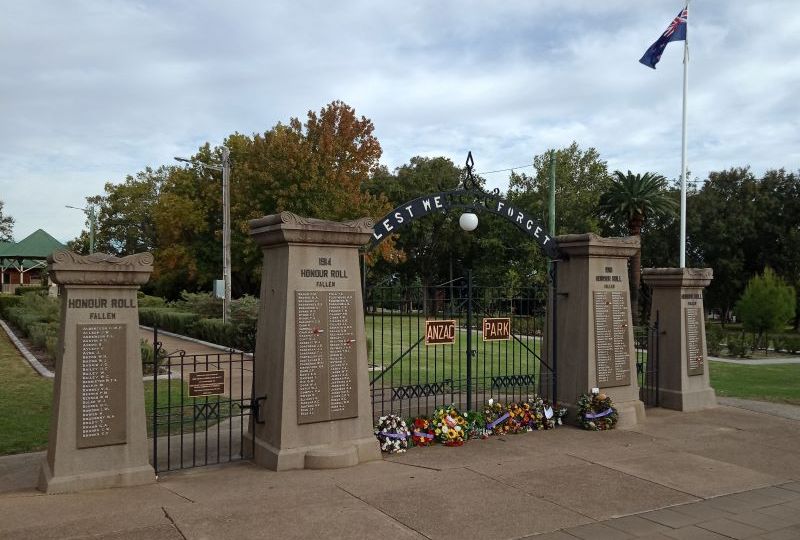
column 440, row 332
column 497, row 329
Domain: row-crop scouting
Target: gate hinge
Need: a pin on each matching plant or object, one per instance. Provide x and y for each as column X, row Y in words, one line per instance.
column 256, row 406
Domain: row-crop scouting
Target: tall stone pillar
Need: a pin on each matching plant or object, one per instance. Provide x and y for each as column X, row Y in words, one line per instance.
column 677, row 301
column 311, row 348
column 595, row 343
column 98, row 434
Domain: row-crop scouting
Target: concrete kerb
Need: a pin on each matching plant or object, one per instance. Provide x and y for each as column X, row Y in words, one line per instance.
column 47, row 374
column 28, row 355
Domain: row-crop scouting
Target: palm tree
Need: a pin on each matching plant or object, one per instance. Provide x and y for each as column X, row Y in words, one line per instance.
column 632, row 198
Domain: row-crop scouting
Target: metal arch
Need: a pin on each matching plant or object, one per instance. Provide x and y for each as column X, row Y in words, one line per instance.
column 471, row 196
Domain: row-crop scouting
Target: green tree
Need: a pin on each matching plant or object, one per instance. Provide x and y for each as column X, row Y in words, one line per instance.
column 767, row 304
column 6, row 226
column 632, row 198
column 317, row 168
column 581, row 177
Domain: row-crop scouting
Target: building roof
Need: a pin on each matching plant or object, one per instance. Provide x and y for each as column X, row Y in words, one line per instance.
column 37, row 246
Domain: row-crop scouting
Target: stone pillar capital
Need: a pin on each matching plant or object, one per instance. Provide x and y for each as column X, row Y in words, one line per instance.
column 289, row 228
column 591, row 245
column 100, row 269
column 677, row 277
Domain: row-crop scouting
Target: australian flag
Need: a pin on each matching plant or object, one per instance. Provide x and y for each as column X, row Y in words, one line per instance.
column 676, row 31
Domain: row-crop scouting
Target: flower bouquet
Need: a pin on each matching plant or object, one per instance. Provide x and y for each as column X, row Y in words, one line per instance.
column 476, row 425
column 496, row 417
column 392, row 434
column 596, row 412
column 552, row 414
column 449, row 426
column 422, row 432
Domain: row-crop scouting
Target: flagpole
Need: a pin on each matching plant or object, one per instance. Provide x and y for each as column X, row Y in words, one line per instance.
column 683, row 141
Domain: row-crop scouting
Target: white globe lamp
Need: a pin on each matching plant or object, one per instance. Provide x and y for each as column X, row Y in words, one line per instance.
column 468, row 221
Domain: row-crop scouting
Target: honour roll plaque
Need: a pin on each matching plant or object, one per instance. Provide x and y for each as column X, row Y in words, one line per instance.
column 326, row 356
column 612, row 343
column 101, row 385
column 694, row 340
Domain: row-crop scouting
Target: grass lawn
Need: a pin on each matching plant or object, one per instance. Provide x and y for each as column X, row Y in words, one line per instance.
column 780, row 383
column 24, row 401
column 396, row 336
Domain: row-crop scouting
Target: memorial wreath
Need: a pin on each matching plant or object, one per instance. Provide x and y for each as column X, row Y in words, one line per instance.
column 392, row 433
column 596, row 412
column 449, row 426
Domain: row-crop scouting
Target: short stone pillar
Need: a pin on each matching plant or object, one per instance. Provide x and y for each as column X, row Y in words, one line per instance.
column 98, row 434
column 594, row 331
column 677, row 301
column 311, row 348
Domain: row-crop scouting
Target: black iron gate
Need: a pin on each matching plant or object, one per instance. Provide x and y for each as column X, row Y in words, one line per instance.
column 647, row 359
column 200, row 407
column 410, row 377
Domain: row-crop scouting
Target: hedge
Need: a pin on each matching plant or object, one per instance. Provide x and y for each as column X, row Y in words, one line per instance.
column 7, row 302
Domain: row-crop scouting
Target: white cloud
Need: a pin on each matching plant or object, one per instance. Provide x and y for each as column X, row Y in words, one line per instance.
column 91, row 92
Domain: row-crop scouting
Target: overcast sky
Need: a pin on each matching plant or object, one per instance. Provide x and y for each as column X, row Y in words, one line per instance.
column 93, row 91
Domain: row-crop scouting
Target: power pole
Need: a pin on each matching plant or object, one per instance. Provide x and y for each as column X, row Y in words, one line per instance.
column 226, row 232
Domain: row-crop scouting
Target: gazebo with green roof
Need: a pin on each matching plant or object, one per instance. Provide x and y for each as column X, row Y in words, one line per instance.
column 27, row 255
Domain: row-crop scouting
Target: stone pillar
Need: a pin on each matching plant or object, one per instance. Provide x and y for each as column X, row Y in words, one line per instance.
column 311, row 349
column 595, row 343
column 677, row 301
column 98, row 434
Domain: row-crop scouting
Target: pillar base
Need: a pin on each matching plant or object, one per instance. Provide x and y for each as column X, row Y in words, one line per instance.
column 687, row 401
column 334, row 456
column 134, row 476
column 630, row 413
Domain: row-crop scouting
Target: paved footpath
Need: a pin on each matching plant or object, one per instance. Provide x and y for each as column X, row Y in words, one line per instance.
column 721, row 473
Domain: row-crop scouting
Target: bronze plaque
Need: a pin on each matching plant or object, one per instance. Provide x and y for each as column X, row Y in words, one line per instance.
column 342, row 355
column 693, row 318
column 612, row 342
column 497, row 329
column 327, row 356
column 440, row 332
column 207, row 383
column 101, row 383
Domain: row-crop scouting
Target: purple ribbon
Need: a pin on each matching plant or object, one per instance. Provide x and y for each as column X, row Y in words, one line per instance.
column 394, row 435
column 498, row 421
column 600, row 414
column 421, row 434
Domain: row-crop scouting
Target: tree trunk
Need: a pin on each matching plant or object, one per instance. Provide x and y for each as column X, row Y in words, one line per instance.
column 635, row 270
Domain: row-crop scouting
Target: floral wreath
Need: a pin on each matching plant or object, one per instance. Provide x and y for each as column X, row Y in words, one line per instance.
column 496, row 417
column 422, row 432
column 449, row 426
column 392, row 434
column 596, row 412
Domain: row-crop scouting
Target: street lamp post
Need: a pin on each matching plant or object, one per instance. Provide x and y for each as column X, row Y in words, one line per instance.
column 92, row 215
column 469, row 222
column 225, row 169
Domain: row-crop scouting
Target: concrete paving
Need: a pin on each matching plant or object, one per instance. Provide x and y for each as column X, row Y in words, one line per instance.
column 721, row 473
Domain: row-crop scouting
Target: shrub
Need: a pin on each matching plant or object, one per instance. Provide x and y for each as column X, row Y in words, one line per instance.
column 216, row 331
column 7, row 302
column 148, row 356
column 714, row 338
column 792, row 344
column 740, row 345
column 766, row 305
column 146, row 301
column 33, row 289
column 33, row 308
column 204, row 304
